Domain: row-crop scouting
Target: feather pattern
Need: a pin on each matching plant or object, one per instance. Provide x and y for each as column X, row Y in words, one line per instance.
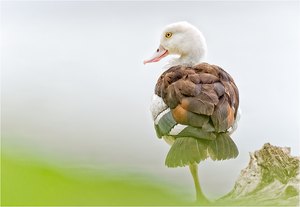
column 203, row 90
column 205, row 99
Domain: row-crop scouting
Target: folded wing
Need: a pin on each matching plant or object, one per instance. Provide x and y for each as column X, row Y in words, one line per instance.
column 200, row 95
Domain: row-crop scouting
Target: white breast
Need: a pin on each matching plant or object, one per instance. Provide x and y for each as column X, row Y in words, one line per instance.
column 157, row 106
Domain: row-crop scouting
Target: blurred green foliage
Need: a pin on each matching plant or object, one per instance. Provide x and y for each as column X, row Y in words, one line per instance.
column 31, row 182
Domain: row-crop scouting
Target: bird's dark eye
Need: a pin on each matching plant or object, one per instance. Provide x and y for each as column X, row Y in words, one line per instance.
column 157, row 50
column 168, row 34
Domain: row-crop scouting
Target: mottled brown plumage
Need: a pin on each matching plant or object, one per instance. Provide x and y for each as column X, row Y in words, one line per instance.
column 200, row 95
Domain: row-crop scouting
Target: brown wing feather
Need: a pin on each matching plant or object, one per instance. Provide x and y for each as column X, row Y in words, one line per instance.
column 200, row 95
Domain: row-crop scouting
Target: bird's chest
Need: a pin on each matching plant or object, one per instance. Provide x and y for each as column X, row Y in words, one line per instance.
column 157, row 106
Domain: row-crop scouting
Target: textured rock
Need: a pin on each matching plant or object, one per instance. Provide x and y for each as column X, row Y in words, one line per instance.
column 271, row 178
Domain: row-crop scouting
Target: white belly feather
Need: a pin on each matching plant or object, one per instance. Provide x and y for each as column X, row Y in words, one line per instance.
column 157, row 106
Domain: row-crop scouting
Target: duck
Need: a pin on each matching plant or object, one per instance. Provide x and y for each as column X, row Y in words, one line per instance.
column 195, row 105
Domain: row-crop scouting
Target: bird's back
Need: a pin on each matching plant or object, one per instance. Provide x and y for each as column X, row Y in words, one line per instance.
column 197, row 107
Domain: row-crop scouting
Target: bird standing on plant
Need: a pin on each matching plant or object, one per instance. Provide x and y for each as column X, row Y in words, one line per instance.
column 195, row 105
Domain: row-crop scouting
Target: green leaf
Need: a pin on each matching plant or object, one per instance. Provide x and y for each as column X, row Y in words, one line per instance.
column 185, row 151
column 190, row 150
column 222, row 148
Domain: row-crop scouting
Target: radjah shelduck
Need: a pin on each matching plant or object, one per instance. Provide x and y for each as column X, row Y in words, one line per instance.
column 195, row 104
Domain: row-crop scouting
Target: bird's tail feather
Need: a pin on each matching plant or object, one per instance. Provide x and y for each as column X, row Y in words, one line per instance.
column 189, row 150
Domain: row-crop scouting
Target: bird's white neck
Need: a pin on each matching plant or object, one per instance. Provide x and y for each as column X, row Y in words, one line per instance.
column 190, row 59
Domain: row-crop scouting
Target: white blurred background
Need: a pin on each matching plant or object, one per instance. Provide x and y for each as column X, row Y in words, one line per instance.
column 74, row 86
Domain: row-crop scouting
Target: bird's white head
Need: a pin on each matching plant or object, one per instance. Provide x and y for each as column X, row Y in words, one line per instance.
column 181, row 39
